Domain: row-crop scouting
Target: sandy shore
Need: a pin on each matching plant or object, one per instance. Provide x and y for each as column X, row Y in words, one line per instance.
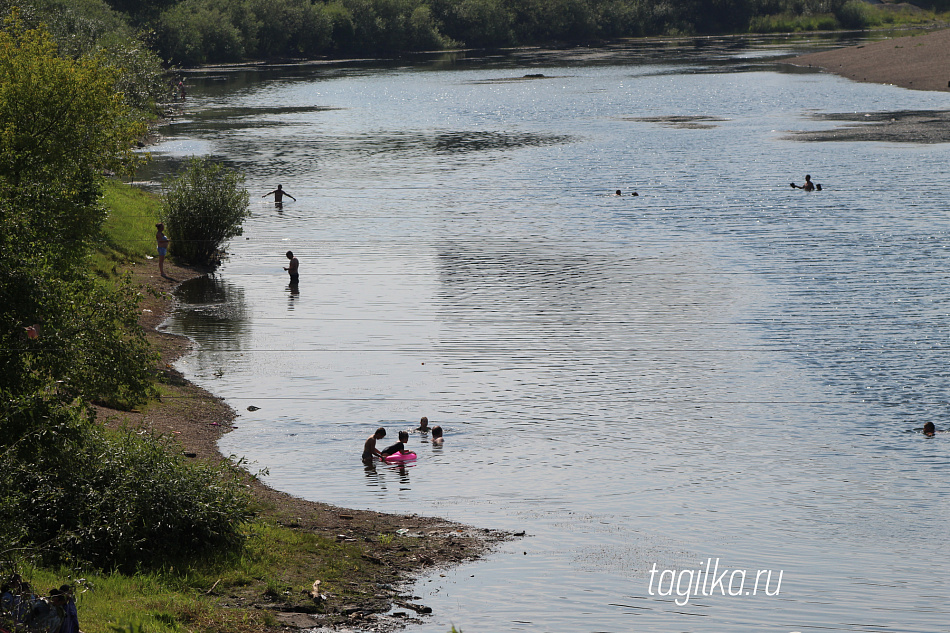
column 918, row 62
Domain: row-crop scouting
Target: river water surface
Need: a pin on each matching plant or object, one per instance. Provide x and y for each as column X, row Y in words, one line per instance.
column 722, row 367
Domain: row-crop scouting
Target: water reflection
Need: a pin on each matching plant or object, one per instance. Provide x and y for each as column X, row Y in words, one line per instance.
column 293, row 294
column 723, row 366
column 208, row 305
column 214, row 312
column 379, row 474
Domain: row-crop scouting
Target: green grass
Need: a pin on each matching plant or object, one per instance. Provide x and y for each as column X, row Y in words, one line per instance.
column 276, row 562
column 129, row 229
column 890, row 17
column 855, row 14
column 792, row 23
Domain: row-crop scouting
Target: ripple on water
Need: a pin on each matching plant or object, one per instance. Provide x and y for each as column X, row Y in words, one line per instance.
column 721, row 367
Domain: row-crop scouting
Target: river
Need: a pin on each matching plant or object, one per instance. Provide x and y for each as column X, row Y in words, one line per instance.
column 720, row 374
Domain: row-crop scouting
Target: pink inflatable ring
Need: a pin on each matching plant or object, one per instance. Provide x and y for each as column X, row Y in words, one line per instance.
column 399, row 456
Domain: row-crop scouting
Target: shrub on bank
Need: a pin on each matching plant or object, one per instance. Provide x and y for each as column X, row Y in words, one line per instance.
column 854, row 14
column 202, row 208
column 73, row 491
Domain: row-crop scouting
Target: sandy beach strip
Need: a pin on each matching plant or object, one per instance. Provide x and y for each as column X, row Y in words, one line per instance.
column 918, row 62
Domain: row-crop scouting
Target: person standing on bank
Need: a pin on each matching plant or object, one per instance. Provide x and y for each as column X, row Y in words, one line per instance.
column 292, row 269
column 162, row 242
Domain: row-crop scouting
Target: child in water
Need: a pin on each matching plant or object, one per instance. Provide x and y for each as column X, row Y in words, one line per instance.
column 398, row 447
column 369, row 448
column 437, row 435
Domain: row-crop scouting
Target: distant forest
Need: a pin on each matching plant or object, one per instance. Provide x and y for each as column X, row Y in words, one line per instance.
column 189, row 32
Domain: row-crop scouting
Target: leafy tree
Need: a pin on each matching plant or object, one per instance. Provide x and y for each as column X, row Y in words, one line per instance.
column 343, row 26
column 61, row 124
column 477, row 22
column 554, row 20
column 88, row 27
column 203, row 208
column 315, row 33
column 141, row 11
column 196, row 32
column 68, row 486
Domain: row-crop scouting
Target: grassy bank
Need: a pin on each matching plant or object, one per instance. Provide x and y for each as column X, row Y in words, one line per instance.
column 268, row 582
column 128, row 228
column 256, row 590
column 854, row 14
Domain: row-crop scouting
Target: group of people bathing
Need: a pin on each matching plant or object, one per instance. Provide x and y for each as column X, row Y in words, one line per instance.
column 369, row 447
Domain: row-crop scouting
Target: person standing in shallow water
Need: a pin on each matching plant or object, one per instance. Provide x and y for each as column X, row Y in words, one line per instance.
column 808, row 186
column 293, row 268
column 369, row 447
column 279, row 194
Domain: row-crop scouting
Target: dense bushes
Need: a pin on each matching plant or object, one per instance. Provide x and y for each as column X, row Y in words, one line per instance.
column 69, row 489
column 202, row 208
column 118, row 500
column 61, row 124
column 199, row 31
column 83, row 28
column 194, row 32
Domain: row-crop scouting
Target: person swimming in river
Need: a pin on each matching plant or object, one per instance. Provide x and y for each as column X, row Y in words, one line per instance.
column 808, row 186
column 369, row 447
column 279, row 194
column 437, row 435
column 930, row 429
column 423, row 425
column 398, row 447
